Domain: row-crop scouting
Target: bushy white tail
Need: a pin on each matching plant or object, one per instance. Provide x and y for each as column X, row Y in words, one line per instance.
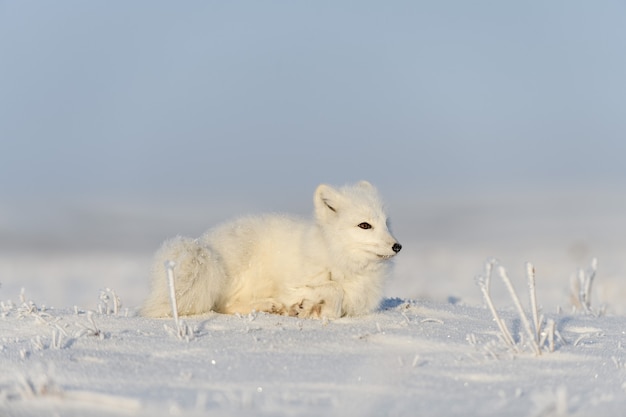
column 200, row 279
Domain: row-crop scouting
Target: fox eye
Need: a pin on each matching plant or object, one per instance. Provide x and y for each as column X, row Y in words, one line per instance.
column 365, row 226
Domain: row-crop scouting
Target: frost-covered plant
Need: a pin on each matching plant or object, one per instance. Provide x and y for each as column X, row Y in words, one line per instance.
column 109, row 303
column 540, row 337
column 28, row 308
column 27, row 387
column 57, row 338
column 6, row 308
column 91, row 329
column 181, row 330
column 37, row 343
column 580, row 289
column 484, row 282
column 31, row 388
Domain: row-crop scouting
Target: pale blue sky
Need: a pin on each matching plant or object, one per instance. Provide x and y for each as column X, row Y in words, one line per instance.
column 123, row 99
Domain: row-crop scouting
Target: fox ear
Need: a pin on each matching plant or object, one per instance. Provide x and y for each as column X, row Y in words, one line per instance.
column 327, row 200
column 365, row 184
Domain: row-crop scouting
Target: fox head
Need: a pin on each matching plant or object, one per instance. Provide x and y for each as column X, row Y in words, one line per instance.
column 354, row 224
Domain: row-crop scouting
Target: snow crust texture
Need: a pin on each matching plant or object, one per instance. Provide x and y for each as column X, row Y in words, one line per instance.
column 409, row 358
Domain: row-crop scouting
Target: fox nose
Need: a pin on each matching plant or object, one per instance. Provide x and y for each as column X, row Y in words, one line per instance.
column 396, row 247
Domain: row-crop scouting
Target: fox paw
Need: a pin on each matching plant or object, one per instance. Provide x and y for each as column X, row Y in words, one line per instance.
column 306, row 309
column 274, row 308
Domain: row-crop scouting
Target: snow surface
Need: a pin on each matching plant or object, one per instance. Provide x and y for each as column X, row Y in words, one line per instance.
column 407, row 359
column 433, row 349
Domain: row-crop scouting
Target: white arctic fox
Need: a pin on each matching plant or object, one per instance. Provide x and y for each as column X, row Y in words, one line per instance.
column 330, row 268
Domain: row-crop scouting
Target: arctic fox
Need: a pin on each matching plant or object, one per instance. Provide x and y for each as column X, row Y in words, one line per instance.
column 332, row 267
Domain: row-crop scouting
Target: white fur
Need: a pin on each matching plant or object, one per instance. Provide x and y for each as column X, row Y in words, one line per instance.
column 328, row 268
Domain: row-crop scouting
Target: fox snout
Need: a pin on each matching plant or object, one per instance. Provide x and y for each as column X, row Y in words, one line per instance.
column 396, row 247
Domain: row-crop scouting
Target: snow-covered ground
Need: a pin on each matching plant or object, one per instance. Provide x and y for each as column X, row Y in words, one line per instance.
column 408, row 359
column 432, row 349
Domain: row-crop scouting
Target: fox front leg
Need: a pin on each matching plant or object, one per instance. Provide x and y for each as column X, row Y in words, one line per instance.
column 319, row 301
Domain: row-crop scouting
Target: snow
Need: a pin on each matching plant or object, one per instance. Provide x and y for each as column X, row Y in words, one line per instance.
column 409, row 358
column 433, row 349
